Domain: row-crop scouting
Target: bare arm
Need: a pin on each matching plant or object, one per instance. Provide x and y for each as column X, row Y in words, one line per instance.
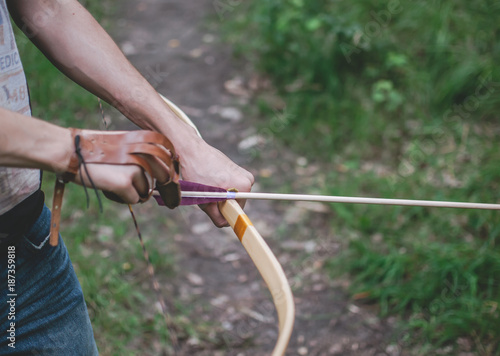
column 71, row 38
column 31, row 143
column 28, row 142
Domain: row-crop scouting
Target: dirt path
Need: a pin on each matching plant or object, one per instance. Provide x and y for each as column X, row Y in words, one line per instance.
column 179, row 52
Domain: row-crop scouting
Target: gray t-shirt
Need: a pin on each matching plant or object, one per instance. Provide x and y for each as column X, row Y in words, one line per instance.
column 15, row 184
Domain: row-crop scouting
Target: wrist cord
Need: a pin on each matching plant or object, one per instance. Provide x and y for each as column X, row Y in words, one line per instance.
column 81, row 162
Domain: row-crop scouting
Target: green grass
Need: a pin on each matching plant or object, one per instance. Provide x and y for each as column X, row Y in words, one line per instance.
column 395, row 102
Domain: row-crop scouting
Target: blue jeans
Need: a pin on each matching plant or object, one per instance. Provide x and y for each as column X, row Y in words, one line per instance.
column 42, row 310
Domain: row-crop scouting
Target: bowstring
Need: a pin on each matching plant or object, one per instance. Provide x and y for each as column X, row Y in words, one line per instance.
column 156, row 285
column 151, row 271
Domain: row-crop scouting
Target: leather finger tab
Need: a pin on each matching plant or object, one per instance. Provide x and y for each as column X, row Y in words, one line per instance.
column 170, row 192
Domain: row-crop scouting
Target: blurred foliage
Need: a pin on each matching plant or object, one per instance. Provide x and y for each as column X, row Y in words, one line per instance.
column 395, row 99
column 345, row 66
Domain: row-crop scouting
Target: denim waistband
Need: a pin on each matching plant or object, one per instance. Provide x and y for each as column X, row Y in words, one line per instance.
column 41, row 228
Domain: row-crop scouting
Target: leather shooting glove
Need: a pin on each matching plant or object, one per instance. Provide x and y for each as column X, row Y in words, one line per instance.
column 151, row 151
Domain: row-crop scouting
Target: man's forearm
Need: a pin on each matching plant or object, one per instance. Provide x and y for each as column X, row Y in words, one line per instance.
column 73, row 40
column 32, row 143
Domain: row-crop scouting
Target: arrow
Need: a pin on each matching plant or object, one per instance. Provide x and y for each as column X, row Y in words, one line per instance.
column 195, row 193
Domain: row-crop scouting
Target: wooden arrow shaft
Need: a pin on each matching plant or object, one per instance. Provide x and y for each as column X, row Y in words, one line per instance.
column 338, row 199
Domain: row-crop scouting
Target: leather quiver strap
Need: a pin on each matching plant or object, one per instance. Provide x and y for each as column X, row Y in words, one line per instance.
column 119, row 148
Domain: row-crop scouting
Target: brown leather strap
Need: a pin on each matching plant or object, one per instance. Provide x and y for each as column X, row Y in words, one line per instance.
column 120, row 148
column 56, row 212
column 117, row 148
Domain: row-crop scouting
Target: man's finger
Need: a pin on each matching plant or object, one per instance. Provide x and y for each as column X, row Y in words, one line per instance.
column 140, row 181
column 214, row 214
column 159, row 170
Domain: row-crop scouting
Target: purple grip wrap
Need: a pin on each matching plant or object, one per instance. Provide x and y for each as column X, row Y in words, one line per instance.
column 187, row 186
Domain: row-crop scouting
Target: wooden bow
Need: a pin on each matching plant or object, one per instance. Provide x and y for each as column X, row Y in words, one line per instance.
column 269, row 268
column 261, row 255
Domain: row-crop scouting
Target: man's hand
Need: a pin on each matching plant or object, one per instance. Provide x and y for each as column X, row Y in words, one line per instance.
column 207, row 165
column 124, row 184
column 152, row 152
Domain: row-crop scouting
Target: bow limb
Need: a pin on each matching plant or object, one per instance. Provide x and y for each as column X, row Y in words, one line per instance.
column 180, row 114
column 261, row 255
column 269, row 268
